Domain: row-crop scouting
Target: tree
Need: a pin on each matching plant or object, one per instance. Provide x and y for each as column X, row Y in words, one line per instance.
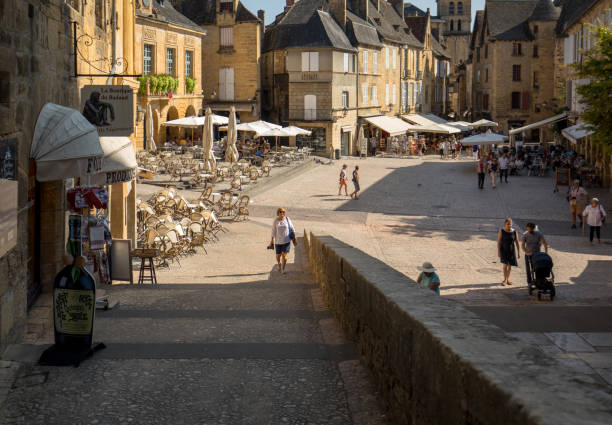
column 597, row 94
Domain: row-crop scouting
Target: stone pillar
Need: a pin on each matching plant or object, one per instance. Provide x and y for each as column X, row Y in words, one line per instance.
column 128, row 34
column 118, row 211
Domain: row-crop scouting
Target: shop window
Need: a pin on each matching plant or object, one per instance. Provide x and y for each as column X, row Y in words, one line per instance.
column 516, row 100
column 148, row 59
column 188, row 63
column 170, row 61
column 316, row 140
column 516, row 73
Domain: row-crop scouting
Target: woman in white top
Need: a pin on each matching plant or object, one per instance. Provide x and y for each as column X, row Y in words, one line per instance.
column 595, row 216
column 282, row 232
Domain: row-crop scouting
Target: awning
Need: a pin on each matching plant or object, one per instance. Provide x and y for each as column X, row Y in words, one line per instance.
column 392, row 125
column 425, row 124
column 484, row 123
column 576, row 132
column 119, row 164
column 195, row 122
column 65, row 144
column 347, row 128
column 538, row 124
column 257, row 126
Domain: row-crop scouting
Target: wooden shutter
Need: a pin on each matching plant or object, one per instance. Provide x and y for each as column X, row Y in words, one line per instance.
column 387, row 94
column 364, row 94
column 314, row 61
column 375, row 63
column 310, row 107
column 374, row 95
column 394, row 94
column 525, row 101
column 365, row 62
column 222, row 87
column 305, row 61
column 394, row 59
column 346, row 62
column 227, row 36
column 387, row 57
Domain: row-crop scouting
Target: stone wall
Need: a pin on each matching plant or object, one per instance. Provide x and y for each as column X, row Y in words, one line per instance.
column 437, row 363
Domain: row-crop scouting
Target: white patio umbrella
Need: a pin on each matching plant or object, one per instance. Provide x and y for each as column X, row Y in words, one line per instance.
column 65, row 144
column 257, row 126
column 276, row 133
column 231, row 153
column 195, row 122
column 151, row 146
column 297, row 131
column 487, row 138
column 207, row 139
column 484, row 123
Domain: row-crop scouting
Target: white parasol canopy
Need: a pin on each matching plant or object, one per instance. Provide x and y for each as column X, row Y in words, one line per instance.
column 484, row 123
column 151, row 146
column 65, row 144
column 209, row 158
column 297, row 131
column 231, row 153
column 257, row 126
column 487, row 138
column 195, row 122
column 119, row 164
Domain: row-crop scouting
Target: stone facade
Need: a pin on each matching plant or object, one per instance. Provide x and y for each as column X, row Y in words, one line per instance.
column 231, row 50
column 511, row 73
column 159, row 35
column 37, row 68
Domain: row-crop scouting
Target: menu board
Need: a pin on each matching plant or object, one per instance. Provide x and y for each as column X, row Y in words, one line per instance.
column 562, row 177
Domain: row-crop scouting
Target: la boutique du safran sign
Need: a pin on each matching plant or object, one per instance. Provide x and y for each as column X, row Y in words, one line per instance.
column 109, row 108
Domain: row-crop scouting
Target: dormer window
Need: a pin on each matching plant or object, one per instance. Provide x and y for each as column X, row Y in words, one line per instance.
column 226, row 6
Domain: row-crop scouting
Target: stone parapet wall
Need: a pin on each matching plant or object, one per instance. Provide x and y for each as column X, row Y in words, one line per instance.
column 435, row 362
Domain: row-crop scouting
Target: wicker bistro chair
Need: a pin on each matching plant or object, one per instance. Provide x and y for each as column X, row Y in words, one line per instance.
column 226, row 204
column 242, row 208
column 265, row 168
column 198, row 237
column 253, row 176
column 196, row 217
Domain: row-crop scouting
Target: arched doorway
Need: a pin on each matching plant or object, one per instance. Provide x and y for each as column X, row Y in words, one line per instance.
column 172, row 132
column 190, row 112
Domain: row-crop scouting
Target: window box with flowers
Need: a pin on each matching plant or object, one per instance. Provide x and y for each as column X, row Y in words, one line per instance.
column 190, row 84
column 159, row 85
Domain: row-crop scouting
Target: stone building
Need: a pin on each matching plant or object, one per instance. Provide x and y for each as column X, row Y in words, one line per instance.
column 331, row 65
column 574, row 32
column 38, row 67
column 231, row 52
column 168, row 43
column 513, row 54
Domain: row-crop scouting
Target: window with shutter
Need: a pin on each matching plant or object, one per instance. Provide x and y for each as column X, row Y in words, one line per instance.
column 364, row 94
column 387, row 94
column 374, row 95
column 375, row 63
column 346, row 62
column 310, row 107
column 394, row 59
column 226, row 38
column 516, row 100
column 345, row 99
column 310, row 61
column 365, row 62
column 148, row 59
column 404, row 96
column 394, row 97
column 525, row 101
column 226, row 84
column 386, row 57
column 188, row 63
column 516, row 73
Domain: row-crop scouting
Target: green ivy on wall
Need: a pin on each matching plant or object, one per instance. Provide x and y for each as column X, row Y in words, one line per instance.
column 190, row 84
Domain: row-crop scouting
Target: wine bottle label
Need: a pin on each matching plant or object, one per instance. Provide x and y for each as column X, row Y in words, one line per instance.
column 74, row 311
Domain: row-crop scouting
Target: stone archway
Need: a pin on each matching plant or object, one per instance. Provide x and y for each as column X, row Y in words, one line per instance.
column 172, row 132
column 190, row 112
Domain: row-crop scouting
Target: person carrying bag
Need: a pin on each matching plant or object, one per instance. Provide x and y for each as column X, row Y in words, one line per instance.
column 283, row 233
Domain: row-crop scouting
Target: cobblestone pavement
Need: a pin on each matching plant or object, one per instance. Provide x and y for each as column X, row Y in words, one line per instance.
column 223, row 339
column 413, row 210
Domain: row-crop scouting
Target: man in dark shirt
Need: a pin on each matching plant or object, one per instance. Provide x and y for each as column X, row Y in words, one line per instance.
column 531, row 242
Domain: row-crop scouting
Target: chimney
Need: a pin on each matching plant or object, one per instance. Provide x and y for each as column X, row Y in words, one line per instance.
column 398, row 5
column 359, row 8
column 337, row 8
column 261, row 14
column 289, row 3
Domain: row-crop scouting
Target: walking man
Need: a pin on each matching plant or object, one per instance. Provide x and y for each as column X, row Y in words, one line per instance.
column 373, row 146
column 343, row 181
column 503, row 167
column 480, row 169
column 441, row 148
column 531, row 242
column 355, row 182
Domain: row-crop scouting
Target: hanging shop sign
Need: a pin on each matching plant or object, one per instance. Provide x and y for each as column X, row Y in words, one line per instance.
column 8, row 195
column 109, row 108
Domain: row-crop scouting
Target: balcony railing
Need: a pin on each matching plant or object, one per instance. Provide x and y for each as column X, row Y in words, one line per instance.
column 310, row 76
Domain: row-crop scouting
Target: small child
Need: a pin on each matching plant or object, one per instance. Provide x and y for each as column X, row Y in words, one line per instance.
column 428, row 278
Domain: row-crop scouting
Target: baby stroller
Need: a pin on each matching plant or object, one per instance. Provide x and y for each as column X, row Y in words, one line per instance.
column 542, row 276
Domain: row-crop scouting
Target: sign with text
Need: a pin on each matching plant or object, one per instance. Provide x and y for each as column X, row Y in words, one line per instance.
column 110, row 109
column 8, row 194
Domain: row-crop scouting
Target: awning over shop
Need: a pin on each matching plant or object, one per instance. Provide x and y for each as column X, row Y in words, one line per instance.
column 195, row 122
column 576, row 132
column 65, row 144
column 119, row 163
column 425, row 124
column 392, row 125
column 538, row 124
